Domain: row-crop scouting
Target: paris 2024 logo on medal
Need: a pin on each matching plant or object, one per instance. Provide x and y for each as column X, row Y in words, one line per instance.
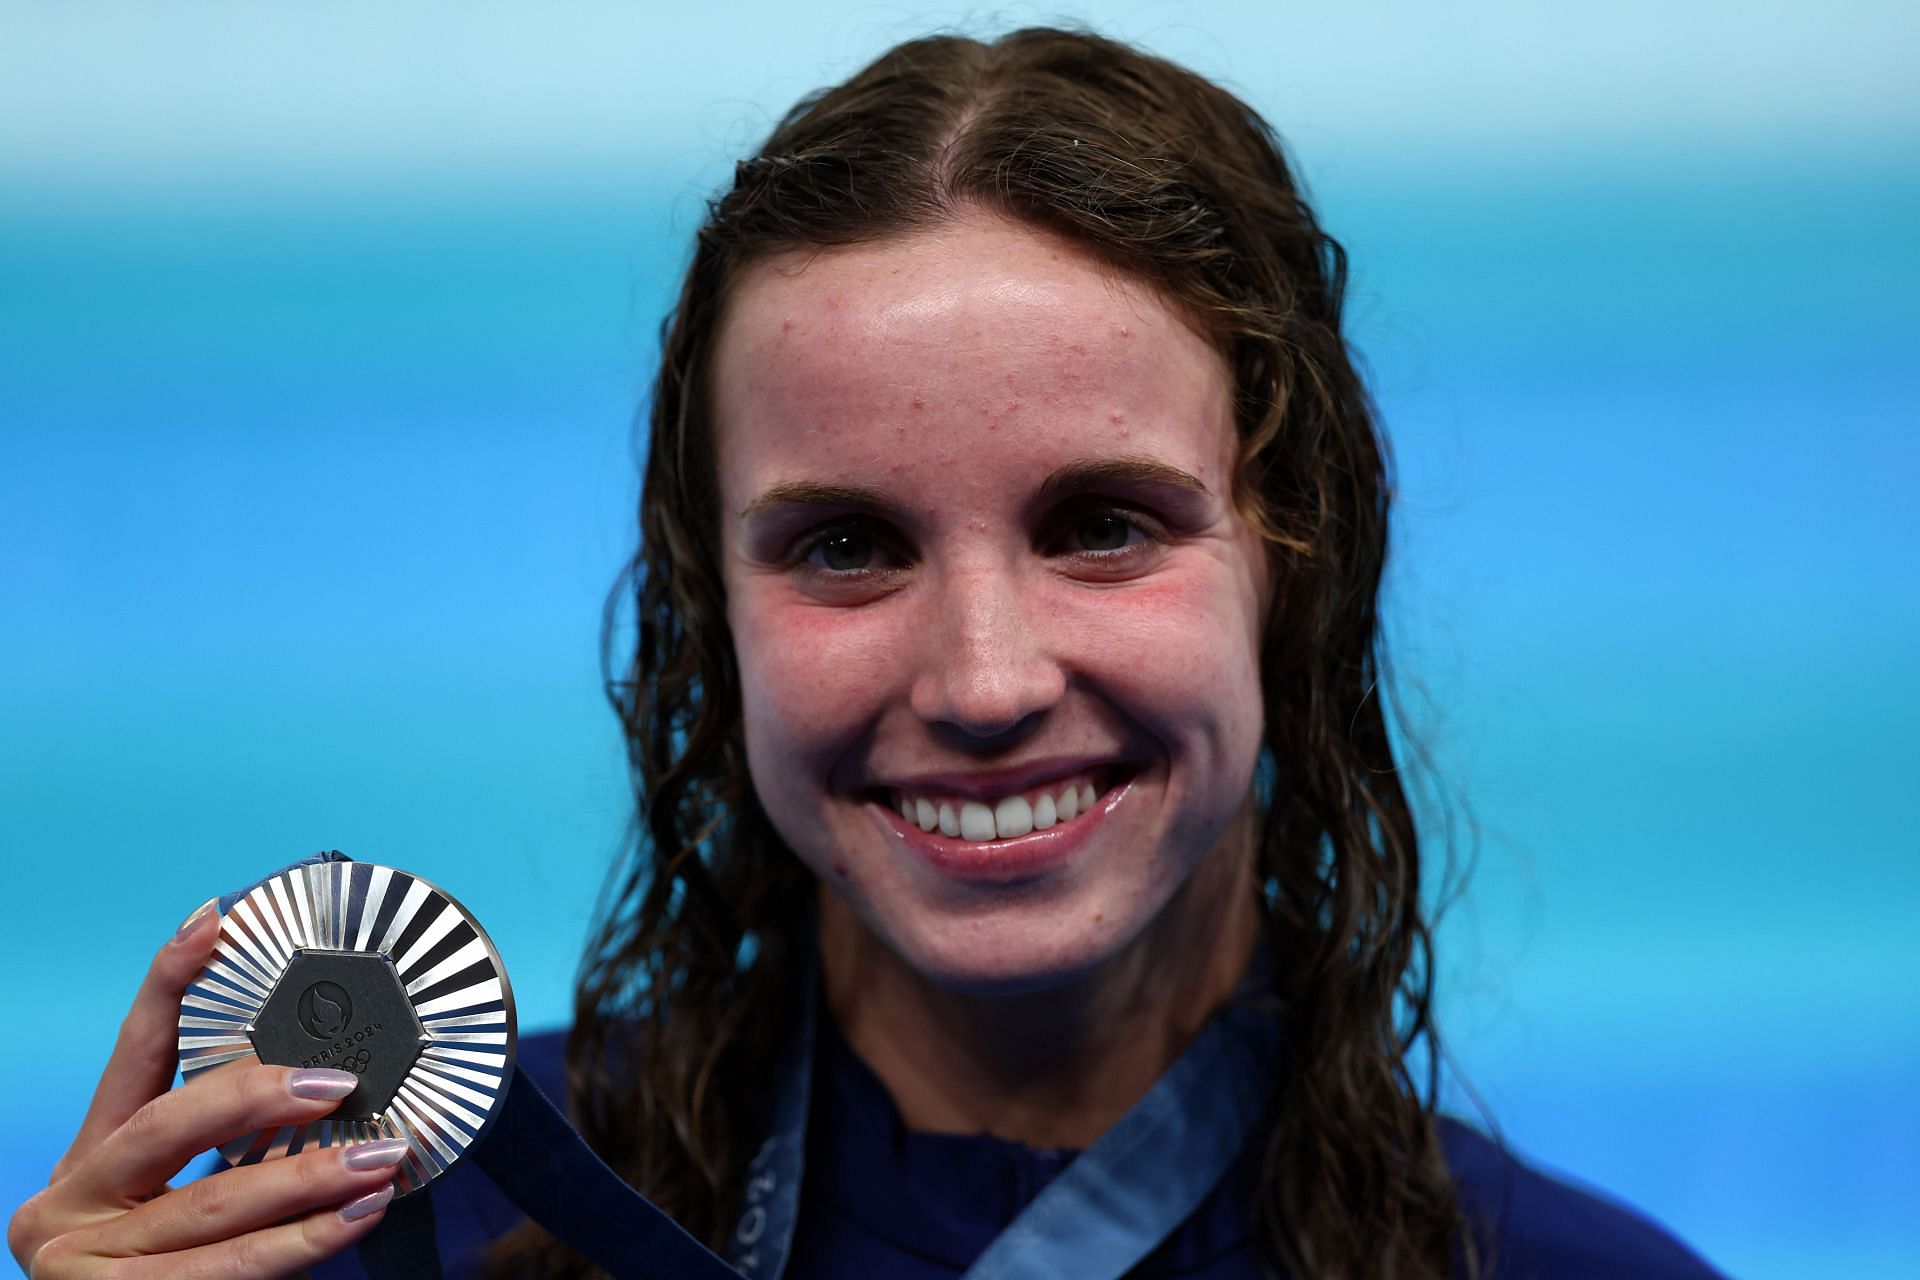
column 325, row 1010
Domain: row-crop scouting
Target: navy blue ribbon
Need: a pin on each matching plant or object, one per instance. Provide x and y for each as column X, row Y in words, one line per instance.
column 1147, row 1174
column 546, row 1168
column 770, row 1201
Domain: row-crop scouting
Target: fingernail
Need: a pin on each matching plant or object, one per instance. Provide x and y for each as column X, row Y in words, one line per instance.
column 321, row 1082
column 192, row 922
column 376, row 1155
column 372, row 1202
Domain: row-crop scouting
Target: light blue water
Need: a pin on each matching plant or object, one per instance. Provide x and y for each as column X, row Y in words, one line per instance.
column 307, row 507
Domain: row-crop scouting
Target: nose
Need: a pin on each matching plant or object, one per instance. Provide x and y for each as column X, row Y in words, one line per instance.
column 986, row 670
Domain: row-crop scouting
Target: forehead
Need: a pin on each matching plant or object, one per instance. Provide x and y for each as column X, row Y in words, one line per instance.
column 979, row 335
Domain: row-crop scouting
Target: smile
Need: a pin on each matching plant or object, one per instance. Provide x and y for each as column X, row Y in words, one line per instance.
column 981, row 819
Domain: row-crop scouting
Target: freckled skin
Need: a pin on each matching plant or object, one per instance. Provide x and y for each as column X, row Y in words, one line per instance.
column 952, row 371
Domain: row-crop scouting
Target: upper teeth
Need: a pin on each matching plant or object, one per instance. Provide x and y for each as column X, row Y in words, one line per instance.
column 1014, row 815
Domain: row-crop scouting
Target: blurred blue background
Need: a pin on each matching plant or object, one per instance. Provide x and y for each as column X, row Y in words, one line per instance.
column 322, row 329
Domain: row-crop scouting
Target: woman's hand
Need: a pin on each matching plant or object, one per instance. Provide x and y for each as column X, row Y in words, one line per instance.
column 108, row 1212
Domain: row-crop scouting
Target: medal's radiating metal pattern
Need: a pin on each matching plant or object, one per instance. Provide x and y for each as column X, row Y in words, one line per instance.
column 361, row 967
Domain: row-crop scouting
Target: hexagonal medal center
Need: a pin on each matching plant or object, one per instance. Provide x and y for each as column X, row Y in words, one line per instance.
column 346, row 1010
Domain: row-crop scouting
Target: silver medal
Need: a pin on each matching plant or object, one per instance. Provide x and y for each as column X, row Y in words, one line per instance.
column 366, row 969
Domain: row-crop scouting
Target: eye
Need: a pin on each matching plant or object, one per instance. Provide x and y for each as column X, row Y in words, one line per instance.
column 1104, row 531
column 1108, row 536
column 848, row 560
column 843, row 551
column 1105, row 539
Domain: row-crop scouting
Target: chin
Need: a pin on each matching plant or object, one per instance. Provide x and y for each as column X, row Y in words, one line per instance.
column 1010, row 950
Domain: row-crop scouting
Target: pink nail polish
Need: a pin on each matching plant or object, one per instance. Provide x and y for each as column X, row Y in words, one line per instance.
column 192, row 922
column 372, row 1202
column 321, row 1082
column 375, row 1155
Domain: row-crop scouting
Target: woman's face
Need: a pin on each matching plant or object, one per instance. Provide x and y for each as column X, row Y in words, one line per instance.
column 996, row 616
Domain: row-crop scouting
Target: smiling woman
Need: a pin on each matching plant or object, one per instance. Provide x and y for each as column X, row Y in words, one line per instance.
column 1029, row 604
column 1024, row 857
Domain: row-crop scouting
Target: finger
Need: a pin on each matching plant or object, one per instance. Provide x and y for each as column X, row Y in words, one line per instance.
column 271, row 1253
column 232, row 1203
column 171, row 1129
column 143, row 1061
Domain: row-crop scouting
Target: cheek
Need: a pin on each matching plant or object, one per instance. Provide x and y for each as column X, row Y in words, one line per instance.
column 1184, row 645
column 810, row 677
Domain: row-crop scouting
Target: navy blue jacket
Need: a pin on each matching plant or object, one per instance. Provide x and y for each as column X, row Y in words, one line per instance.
column 882, row 1203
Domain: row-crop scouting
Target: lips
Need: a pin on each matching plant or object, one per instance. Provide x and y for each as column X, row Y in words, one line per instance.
column 1019, row 833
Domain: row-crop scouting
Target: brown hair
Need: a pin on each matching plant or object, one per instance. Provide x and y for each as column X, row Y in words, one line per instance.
column 688, row 986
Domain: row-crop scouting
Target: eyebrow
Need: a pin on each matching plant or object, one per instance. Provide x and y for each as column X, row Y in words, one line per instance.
column 1096, row 473
column 1074, row 477
column 803, row 493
